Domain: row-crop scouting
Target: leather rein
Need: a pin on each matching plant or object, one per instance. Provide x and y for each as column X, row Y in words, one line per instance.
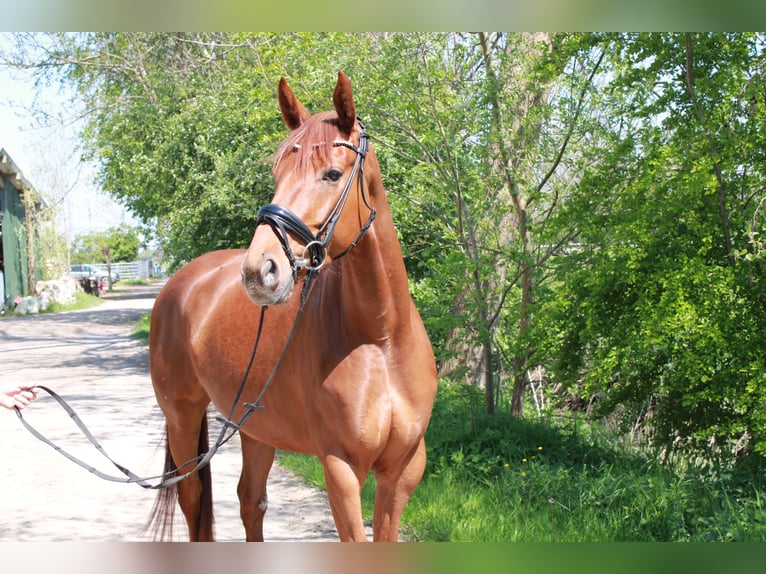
column 282, row 221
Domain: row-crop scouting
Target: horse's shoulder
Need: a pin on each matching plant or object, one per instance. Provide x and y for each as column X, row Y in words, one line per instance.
column 203, row 275
column 213, row 259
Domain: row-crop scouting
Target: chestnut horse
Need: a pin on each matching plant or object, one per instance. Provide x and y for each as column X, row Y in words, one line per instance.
column 356, row 383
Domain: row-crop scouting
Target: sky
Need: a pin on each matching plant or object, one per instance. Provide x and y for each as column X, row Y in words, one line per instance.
column 48, row 158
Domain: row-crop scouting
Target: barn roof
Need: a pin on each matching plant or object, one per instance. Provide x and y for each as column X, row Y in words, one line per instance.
column 11, row 173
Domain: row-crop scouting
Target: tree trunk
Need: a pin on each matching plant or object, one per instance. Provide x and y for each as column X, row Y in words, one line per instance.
column 107, row 251
column 520, row 365
column 29, row 223
column 464, row 357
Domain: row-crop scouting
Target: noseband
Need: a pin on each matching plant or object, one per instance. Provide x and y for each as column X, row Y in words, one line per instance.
column 283, row 221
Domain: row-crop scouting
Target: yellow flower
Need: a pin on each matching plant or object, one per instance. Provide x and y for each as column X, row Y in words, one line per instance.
column 523, row 460
column 539, row 448
column 506, row 465
column 524, row 474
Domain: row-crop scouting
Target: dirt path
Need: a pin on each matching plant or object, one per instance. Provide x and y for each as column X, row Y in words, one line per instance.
column 89, row 358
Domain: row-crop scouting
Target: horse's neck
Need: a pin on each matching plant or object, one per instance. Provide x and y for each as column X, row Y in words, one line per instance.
column 371, row 284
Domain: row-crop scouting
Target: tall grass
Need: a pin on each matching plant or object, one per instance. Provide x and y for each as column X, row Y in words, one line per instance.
column 499, row 478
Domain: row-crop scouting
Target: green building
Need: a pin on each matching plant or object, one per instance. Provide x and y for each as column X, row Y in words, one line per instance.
column 18, row 203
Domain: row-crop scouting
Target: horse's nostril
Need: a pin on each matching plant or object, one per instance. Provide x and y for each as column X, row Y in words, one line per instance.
column 270, row 274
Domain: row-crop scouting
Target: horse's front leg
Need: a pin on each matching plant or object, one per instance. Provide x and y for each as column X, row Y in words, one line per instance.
column 257, row 459
column 344, row 487
column 394, row 486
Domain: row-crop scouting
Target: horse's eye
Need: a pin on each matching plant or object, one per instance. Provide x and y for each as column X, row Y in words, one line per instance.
column 332, row 175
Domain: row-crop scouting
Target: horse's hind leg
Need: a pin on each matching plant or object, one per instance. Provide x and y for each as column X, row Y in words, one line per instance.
column 392, row 493
column 187, row 439
column 257, row 459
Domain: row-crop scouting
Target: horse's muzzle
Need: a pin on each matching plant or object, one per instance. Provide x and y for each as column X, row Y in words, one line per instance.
column 267, row 281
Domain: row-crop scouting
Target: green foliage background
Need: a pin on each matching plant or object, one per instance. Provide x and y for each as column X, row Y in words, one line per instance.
column 123, row 244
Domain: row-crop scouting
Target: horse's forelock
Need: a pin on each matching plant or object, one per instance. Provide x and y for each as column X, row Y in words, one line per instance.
column 313, row 140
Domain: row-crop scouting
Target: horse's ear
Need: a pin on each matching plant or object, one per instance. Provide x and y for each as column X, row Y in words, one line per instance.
column 343, row 100
column 293, row 112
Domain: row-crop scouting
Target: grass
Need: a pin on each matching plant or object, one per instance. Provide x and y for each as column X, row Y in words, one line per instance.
column 500, row 478
column 140, row 330
column 82, row 301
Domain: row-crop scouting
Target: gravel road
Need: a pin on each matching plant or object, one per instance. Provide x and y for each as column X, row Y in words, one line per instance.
column 88, row 358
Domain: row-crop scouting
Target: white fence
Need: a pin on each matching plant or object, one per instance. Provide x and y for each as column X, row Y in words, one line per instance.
column 142, row 269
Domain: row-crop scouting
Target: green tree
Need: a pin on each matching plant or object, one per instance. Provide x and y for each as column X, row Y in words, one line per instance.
column 660, row 314
column 176, row 123
column 536, row 87
column 476, row 156
column 113, row 245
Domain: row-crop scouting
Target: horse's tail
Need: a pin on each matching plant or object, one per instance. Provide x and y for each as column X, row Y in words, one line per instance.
column 160, row 520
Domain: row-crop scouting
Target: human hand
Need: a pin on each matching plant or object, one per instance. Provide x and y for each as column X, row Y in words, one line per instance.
column 16, row 395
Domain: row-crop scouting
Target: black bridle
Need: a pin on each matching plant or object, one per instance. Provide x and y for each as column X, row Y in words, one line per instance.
column 283, row 221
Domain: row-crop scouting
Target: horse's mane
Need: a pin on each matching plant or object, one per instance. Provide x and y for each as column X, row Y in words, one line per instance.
column 310, row 142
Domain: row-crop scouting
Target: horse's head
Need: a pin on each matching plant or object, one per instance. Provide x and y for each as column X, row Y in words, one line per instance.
column 319, row 210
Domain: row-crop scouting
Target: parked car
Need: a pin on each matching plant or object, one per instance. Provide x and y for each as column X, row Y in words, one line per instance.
column 83, row 271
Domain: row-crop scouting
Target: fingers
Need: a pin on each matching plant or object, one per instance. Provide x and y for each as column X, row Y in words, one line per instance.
column 23, row 399
column 25, row 395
